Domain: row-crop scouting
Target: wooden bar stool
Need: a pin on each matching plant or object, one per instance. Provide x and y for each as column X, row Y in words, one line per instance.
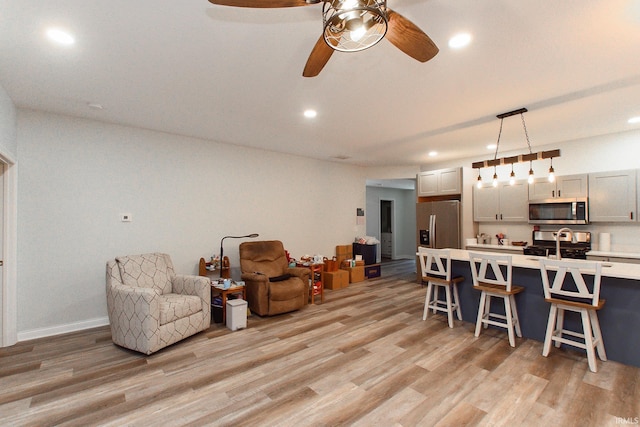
column 436, row 271
column 489, row 279
column 571, row 292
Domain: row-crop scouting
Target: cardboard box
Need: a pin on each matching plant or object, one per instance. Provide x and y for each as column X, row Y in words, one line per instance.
column 335, row 279
column 343, row 252
column 356, row 274
column 372, row 271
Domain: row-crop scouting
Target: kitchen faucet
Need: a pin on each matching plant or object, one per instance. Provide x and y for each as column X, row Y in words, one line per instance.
column 558, row 233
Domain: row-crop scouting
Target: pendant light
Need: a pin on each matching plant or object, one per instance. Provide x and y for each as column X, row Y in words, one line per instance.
column 552, row 176
column 531, row 178
column 530, row 157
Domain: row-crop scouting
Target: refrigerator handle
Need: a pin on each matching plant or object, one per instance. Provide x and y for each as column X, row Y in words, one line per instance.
column 432, row 231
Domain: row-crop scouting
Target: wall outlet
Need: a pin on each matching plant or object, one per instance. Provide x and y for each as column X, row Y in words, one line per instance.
column 126, row 217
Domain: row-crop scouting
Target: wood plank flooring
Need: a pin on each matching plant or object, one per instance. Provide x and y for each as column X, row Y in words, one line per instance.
column 363, row 358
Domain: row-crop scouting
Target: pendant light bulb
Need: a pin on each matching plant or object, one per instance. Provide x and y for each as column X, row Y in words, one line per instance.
column 495, row 178
column 552, row 176
column 512, row 176
column 479, row 181
column 530, row 179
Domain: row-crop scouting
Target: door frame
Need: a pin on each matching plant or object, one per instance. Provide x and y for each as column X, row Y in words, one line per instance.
column 9, row 309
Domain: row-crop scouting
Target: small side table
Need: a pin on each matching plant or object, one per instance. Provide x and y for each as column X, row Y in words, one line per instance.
column 316, row 287
column 224, row 294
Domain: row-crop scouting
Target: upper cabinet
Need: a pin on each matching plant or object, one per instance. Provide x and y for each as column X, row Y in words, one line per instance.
column 612, row 196
column 440, row 182
column 563, row 187
column 502, row 203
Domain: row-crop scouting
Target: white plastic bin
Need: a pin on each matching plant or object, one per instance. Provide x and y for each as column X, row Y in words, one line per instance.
column 236, row 314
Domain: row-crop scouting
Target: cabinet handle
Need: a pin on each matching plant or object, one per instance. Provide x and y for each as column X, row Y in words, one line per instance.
column 500, row 217
column 559, row 195
column 496, row 217
column 631, row 215
column 553, row 193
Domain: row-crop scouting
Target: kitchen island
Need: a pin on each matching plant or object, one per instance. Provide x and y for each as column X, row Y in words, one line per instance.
column 619, row 318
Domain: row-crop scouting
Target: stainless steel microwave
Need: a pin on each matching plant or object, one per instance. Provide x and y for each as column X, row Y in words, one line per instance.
column 559, row 211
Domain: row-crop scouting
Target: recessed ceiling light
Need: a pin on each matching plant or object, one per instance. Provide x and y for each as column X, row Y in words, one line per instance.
column 491, row 147
column 433, row 153
column 95, row 106
column 459, row 40
column 310, row 114
column 60, row 36
column 634, row 120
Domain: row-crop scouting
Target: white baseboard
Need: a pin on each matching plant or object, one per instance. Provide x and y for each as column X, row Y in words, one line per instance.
column 62, row 329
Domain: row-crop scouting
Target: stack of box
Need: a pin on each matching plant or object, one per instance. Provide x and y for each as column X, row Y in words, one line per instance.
column 355, row 268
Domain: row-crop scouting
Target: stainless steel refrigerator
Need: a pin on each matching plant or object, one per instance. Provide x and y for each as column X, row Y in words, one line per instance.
column 438, row 224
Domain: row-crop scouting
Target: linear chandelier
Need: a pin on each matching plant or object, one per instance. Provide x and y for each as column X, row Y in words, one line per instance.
column 521, row 158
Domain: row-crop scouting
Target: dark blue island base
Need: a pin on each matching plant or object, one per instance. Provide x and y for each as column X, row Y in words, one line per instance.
column 619, row 318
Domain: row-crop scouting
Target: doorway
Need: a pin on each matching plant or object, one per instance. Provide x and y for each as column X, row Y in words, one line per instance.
column 386, row 229
column 8, row 249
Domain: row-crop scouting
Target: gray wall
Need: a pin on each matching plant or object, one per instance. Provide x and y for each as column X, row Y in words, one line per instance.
column 404, row 218
column 8, row 143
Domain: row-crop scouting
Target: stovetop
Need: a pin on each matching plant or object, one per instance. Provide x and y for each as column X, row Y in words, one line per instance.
column 573, row 247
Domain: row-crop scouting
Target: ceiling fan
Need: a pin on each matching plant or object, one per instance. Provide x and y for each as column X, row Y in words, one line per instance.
column 353, row 25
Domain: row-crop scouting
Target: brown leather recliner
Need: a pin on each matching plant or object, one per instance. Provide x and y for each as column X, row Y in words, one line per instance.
column 272, row 286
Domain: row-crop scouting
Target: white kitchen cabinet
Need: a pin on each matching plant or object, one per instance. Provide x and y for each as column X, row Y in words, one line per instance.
column 568, row 186
column 612, row 196
column 440, row 182
column 507, row 203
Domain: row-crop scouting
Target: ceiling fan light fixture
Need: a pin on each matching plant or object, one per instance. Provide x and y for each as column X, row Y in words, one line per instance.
column 354, row 25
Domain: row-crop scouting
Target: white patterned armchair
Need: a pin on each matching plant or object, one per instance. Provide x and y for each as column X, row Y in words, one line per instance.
column 150, row 307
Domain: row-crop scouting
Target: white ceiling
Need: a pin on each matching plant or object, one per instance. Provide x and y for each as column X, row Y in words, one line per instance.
column 234, row 75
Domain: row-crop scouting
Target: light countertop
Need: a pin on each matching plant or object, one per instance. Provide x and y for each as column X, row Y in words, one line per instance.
column 610, row 269
column 634, row 255
column 498, row 248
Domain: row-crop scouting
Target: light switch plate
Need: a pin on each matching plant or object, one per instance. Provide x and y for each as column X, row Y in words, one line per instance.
column 126, row 217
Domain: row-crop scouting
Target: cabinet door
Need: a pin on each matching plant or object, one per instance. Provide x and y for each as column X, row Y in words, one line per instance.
column 428, row 184
column 542, row 189
column 513, row 202
column 572, row 186
column 486, row 203
column 450, row 181
column 612, row 196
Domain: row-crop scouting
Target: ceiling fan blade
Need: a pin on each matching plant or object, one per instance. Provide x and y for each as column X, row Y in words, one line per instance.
column 318, row 58
column 410, row 39
column 262, row 3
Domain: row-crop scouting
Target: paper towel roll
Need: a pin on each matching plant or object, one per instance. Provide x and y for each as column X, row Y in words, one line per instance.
column 604, row 242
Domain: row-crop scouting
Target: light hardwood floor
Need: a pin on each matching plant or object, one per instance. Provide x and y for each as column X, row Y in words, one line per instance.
column 363, row 358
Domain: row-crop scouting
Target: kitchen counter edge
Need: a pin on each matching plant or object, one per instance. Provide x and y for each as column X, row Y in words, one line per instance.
column 619, row 270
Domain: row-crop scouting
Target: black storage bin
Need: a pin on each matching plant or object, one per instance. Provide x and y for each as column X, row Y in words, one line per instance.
column 368, row 252
column 216, row 312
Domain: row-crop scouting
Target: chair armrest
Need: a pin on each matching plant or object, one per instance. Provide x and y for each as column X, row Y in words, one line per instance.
column 254, row 277
column 301, row 272
column 145, row 300
column 193, row 285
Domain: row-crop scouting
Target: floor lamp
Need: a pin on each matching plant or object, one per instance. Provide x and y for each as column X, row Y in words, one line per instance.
column 225, row 273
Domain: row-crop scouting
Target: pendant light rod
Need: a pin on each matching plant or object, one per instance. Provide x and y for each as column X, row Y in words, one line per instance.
column 512, row 113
